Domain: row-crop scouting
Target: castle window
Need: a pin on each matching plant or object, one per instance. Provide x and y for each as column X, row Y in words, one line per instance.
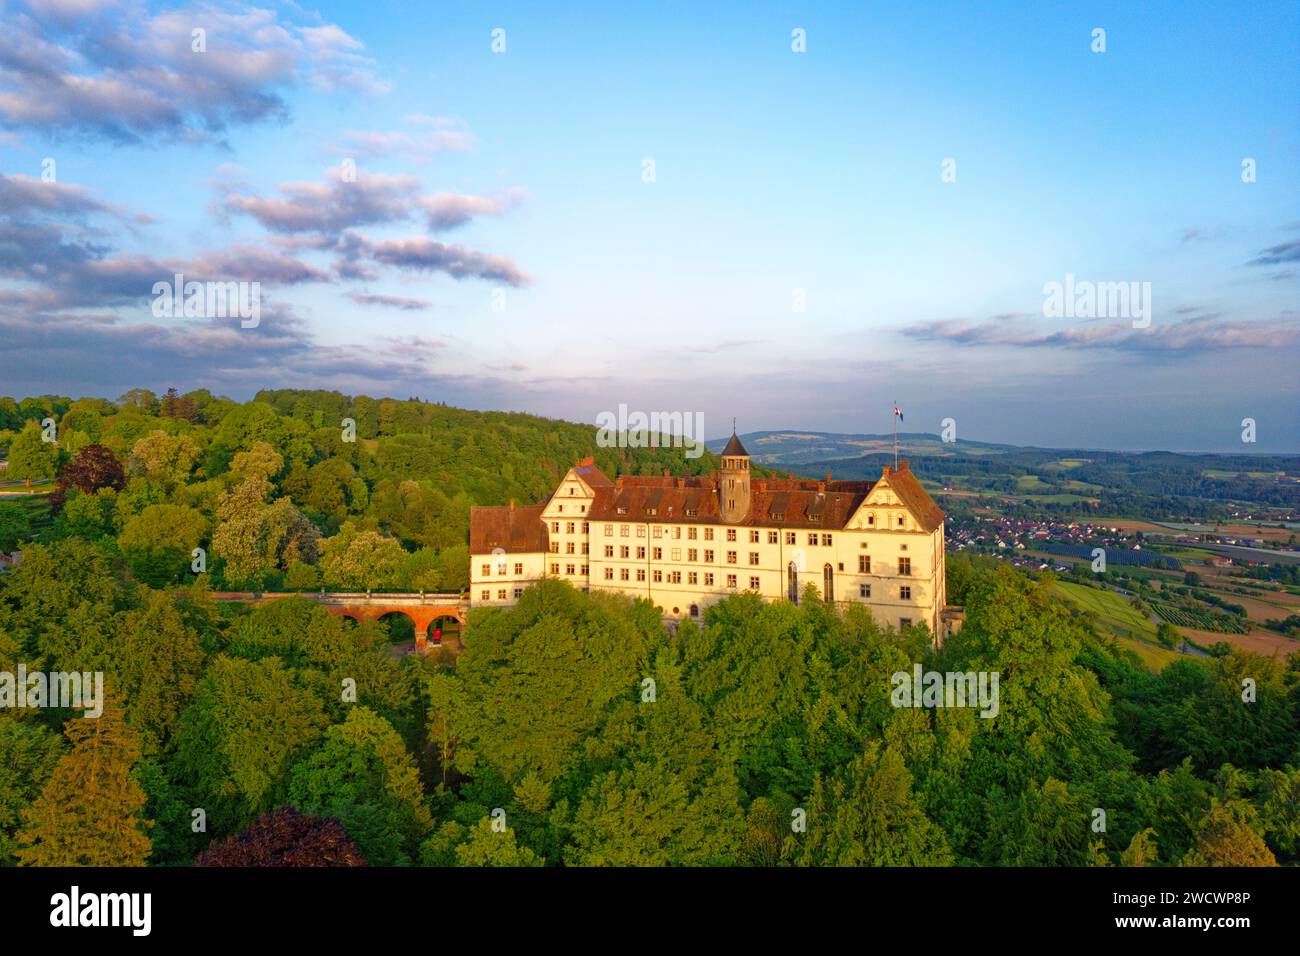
column 731, row 581
column 731, row 557
column 640, row 574
column 692, row 554
column 790, row 537
column 486, row 595
column 904, row 622
column 609, row 574
column 658, row 532
column 622, row 509
column 623, row 551
column 518, row 593
column 691, row 533
column 826, row 541
column 623, row 531
column 708, row 557
column 864, row 590
column 753, row 557
column 677, row 554
column 772, row 537
column 754, row 584
column 640, row 554
column 708, row 534
column 501, row 594
column 568, row 527
column 731, row 534
column 501, row 569
column 609, row 550
column 675, row 577
column 657, row 554
column 864, row 564
column 519, row 569
column 753, row 537
column 691, row 513
column 609, row 531
column 871, row 519
column 622, row 574
column 570, row 569
column 904, row 565
column 778, row 515
column 658, row 577
column 812, row 540
column 487, row 570
column 708, row 580
column 555, row 527
column 692, row 577
column 905, row 593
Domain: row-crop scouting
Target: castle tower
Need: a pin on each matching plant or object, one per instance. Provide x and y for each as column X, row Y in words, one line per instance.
column 733, row 486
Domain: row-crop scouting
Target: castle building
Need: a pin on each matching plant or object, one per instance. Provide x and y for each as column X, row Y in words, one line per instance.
column 684, row 543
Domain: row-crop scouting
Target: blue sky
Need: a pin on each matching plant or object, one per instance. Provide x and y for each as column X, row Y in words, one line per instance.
column 483, row 174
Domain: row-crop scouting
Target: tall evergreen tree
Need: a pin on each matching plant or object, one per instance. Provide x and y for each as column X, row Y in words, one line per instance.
column 89, row 812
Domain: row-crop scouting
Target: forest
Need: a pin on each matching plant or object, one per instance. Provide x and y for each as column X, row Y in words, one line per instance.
column 572, row 729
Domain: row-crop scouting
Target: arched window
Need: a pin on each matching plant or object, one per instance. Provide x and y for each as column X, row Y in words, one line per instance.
column 695, row 610
column 828, row 582
column 792, row 576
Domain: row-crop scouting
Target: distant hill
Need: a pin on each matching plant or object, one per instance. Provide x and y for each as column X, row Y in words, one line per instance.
column 1151, row 484
column 793, row 448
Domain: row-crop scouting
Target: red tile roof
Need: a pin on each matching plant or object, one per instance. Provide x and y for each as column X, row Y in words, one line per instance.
column 774, row 502
column 515, row 530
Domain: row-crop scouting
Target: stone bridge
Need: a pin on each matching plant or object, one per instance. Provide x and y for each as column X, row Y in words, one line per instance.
column 422, row 608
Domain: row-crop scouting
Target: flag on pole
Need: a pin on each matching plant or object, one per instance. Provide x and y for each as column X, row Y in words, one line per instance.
column 898, row 412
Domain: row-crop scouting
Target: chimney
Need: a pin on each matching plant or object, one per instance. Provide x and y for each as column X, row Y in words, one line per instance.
column 821, row 487
column 828, row 474
column 512, row 504
column 666, row 473
column 884, row 472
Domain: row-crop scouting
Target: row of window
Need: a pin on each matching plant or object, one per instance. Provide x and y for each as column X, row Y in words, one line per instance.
column 675, row 577
column 569, row 547
column 692, row 555
column 814, row 539
column 569, row 527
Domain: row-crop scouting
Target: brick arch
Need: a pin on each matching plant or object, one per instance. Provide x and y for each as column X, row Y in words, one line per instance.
column 421, row 615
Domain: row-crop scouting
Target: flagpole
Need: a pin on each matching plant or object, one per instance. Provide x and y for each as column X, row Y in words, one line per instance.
column 896, row 435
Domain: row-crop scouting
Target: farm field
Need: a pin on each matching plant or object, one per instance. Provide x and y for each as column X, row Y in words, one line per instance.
column 1113, row 612
column 1155, row 658
column 1257, row 641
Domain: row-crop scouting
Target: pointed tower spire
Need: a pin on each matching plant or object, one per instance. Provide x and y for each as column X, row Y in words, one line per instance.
column 733, row 485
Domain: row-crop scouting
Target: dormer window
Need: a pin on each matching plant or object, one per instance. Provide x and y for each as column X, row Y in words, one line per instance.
column 692, row 512
column 622, row 509
column 778, row 515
